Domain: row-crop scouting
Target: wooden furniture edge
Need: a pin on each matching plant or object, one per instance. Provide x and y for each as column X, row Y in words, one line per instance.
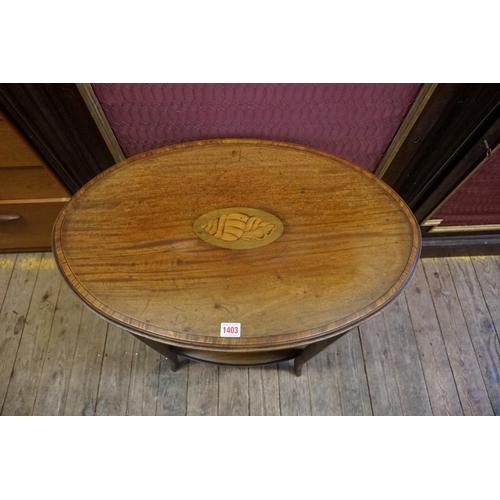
column 415, row 111
column 294, row 339
column 95, row 109
column 28, row 145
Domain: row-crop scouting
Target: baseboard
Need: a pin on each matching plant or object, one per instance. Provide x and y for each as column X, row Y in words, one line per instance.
column 453, row 245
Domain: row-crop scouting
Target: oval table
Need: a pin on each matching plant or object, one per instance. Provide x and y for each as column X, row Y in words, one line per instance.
column 236, row 251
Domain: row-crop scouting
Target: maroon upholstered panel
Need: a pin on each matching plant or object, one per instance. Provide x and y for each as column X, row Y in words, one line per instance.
column 354, row 121
column 478, row 200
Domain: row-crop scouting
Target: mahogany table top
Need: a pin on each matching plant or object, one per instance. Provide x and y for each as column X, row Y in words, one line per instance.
column 294, row 244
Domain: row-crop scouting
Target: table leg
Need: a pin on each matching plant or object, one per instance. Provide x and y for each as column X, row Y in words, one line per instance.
column 306, row 354
column 310, row 351
column 163, row 349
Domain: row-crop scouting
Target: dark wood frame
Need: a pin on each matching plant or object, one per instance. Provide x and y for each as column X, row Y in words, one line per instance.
column 445, row 144
column 56, row 121
column 450, row 140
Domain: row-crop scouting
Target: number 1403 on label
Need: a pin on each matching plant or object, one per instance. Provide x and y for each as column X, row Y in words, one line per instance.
column 230, row 329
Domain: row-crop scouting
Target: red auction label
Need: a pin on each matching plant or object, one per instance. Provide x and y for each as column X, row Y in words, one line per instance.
column 230, row 329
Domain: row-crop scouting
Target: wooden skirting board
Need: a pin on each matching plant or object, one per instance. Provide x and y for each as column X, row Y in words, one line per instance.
column 448, row 245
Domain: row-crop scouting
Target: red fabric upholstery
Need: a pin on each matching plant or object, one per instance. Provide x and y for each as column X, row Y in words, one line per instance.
column 478, row 200
column 354, row 121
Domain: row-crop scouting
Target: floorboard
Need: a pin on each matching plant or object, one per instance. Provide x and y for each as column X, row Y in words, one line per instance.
column 203, row 389
column 233, row 391
column 488, row 274
column 435, row 350
column 7, row 262
column 403, row 346
column 112, row 397
column 463, row 361
column 144, row 379
column 440, row 382
column 263, row 391
column 294, row 391
column 87, row 365
column 58, row 361
column 353, row 383
column 25, row 377
column 172, row 389
column 482, row 331
column 323, row 374
column 380, row 369
column 13, row 315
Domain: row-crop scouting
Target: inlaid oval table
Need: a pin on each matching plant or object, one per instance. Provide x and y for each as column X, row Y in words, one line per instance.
column 236, row 251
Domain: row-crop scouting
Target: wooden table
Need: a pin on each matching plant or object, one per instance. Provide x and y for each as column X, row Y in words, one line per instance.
column 236, row 251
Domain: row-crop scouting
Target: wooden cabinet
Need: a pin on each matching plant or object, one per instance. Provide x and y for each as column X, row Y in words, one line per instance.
column 31, row 196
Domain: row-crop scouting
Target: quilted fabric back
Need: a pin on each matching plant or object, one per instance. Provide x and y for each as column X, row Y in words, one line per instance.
column 478, row 200
column 354, row 121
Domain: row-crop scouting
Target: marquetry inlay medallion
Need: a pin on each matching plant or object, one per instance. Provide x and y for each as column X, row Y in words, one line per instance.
column 238, row 228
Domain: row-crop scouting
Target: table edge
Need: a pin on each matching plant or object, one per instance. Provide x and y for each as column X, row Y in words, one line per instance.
column 294, row 339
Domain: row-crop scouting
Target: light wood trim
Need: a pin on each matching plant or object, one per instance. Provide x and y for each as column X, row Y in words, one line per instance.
column 432, row 222
column 472, row 227
column 418, row 106
column 101, row 121
column 37, row 200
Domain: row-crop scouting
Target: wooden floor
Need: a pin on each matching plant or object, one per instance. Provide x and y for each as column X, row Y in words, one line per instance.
column 435, row 351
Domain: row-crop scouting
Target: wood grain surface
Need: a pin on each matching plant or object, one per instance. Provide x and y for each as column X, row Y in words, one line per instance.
column 409, row 374
column 18, row 183
column 125, row 243
column 354, row 393
column 7, row 262
column 263, row 391
column 13, row 313
column 479, row 323
column 324, row 401
column 380, row 368
column 31, row 196
column 87, row 363
column 203, row 389
column 115, row 375
column 32, row 226
column 438, row 374
column 30, row 356
column 172, row 391
column 143, row 390
column 470, row 384
column 14, row 151
column 233, row 391
column 488, row 272
column 294, row 391
column 59, row 355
